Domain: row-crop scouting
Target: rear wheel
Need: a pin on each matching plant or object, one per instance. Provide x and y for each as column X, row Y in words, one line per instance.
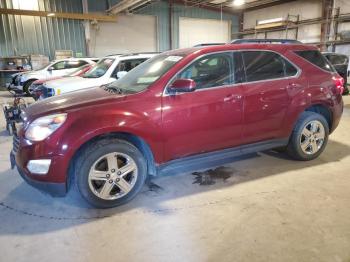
column 309, row 137
column 110, row 173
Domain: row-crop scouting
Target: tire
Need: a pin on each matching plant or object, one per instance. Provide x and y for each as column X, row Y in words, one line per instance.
column 103, row 189
column 308, row 147
column 27, row 85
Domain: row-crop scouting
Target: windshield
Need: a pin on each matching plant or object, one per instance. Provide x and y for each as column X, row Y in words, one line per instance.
column 79, row 70
column 142, row 76
column 100, row 68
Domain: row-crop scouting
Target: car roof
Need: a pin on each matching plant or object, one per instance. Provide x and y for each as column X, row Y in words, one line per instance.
column 244, row 46
column 136, row 55
column 73, row 59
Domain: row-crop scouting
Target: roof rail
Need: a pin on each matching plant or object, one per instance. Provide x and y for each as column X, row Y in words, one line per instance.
column 209, row 44
column 266, row 41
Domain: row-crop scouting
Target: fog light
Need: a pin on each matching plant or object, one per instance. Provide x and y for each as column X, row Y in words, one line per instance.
column 39, row 166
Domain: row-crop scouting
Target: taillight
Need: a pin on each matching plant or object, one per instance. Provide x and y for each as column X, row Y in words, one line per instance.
column 339, row 84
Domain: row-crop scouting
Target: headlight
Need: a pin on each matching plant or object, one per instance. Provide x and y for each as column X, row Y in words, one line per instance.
column 42, row 127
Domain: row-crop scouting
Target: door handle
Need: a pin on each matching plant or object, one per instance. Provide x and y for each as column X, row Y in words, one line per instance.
column 233, row 98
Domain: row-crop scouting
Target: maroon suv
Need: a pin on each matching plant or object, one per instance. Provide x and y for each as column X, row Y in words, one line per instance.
column 180, row 111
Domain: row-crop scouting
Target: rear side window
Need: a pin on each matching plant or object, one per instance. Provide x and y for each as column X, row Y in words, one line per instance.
column 316, row 58
column 262, row 65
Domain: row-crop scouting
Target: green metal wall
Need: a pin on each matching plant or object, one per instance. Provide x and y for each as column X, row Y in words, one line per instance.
column 41, row 35
column 161, row 10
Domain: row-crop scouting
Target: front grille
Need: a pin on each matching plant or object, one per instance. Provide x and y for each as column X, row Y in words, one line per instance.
column 15, row 143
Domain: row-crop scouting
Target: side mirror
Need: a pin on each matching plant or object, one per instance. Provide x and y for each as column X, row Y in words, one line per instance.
column 182, row 86
column 50, row 68
column 120, row 74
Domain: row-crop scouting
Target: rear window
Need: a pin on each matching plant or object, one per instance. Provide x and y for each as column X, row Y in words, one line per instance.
column 337, row 59
column 316, row 58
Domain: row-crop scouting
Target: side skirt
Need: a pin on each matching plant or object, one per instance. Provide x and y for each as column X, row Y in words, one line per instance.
column 216, row 158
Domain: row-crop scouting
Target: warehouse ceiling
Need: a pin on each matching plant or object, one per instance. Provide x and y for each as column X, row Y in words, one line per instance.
column 233, row 6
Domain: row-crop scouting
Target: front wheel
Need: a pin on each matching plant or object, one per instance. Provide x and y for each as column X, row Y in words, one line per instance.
column 309, row 137
column 110, row 173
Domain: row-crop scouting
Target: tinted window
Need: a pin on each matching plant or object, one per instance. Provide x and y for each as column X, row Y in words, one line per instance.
column 210, row 71
column 266, row 65
column 316, row 58
column 290, row 69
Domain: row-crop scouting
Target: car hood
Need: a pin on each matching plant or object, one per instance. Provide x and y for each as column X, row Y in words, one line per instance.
column 71, row 101
column 73, row 83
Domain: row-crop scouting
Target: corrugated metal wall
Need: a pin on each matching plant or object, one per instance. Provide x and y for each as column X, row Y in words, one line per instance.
column 41, row 35
column 160, row 9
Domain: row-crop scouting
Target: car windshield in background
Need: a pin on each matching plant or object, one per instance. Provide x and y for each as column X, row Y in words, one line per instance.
column 142, row 76
column 100, row 68
column 78, row 70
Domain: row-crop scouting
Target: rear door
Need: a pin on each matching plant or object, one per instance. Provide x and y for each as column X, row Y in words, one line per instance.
column 208, row 119
column 266, row 97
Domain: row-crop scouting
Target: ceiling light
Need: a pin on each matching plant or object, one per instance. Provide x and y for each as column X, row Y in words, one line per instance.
column 238, row 2
column 51, row 14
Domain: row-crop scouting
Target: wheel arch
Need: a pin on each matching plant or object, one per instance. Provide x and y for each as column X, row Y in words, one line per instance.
column 137, row 141
column 322, row 110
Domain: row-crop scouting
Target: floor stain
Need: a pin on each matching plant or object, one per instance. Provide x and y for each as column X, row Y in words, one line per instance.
column 211, row 176
column 153, row 189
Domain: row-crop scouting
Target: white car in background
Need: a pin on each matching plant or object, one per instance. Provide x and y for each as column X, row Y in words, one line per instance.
column 22, row 81
column 107, row 70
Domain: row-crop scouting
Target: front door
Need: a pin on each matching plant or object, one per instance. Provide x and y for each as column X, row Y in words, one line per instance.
column 208, row 119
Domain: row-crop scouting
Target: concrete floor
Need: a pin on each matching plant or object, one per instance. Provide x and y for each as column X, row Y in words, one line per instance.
column 264, row 207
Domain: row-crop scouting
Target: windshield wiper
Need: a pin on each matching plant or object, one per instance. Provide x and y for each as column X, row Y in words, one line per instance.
column 113, row 89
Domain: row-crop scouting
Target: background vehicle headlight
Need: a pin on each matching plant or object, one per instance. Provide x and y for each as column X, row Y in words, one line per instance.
column 42, row 127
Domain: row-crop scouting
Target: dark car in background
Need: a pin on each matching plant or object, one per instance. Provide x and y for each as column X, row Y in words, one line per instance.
column 340, row 63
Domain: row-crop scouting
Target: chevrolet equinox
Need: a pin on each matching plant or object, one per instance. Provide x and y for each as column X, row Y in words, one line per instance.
column 180, row 111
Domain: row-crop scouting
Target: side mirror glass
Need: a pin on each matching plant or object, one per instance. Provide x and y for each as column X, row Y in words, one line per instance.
column 182, row 86
column 120, row 74
column 50, row 68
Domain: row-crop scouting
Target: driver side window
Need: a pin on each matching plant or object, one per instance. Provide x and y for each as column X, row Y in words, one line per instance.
column 210, row 71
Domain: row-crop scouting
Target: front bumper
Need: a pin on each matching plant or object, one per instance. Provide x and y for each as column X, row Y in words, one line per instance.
column 19, row 158
column 54, row 189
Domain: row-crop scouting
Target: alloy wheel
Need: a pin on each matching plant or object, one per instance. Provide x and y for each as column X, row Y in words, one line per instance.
column 113, row 176
column 312, row 137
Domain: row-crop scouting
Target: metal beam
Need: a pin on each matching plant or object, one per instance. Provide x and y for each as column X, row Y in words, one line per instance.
column 125, row 5
column 79, row 16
